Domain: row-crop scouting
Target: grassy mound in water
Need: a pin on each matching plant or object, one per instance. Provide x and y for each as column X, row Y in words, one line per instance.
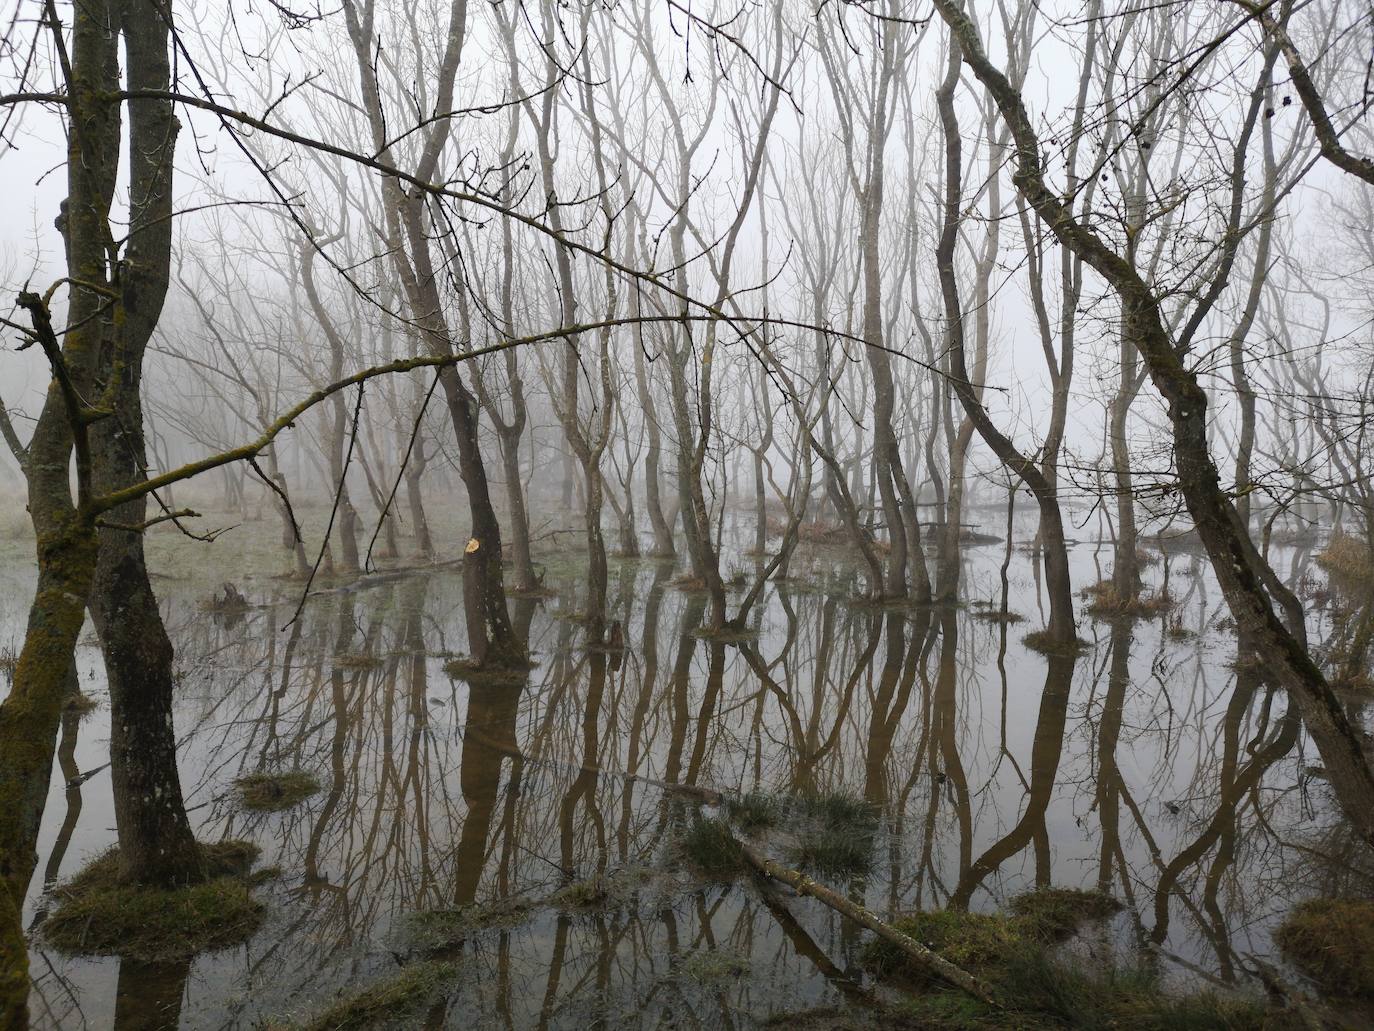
column 1043, row 641
column 478, row 675
column 976, row 940
column 386, row 1002
column 1332, row 942
column 1055, row 914
column 1010, row 951
column 270, row 792
column 438, row 930
column 1106, row 602
column 96, row 914
column 1348, row 559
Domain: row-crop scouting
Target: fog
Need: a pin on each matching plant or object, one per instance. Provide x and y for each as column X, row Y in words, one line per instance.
column 1017, row 336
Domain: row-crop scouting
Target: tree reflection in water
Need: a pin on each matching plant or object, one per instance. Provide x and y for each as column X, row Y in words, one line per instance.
column 1157, row 765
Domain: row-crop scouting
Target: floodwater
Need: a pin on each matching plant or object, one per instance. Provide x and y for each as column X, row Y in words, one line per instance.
column 1156, row 767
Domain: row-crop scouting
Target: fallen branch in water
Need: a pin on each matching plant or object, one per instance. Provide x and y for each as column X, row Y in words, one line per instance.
column 922, row 956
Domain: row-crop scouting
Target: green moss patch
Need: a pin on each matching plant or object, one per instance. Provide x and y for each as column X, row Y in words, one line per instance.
column 386, row 1002
column 270, row 792
column 973, row 941
column 1332, row 942
column 980, row 940
column 96, row 914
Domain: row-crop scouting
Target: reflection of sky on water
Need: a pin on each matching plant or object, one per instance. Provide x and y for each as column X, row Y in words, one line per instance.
column 438, row 793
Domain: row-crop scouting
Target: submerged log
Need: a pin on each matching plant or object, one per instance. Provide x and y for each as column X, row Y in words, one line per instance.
column 924, row 957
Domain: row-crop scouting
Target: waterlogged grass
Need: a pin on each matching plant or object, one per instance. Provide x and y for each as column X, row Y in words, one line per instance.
column 829, row 834
column 96, row 914
column 754, row 811
column 1054, row 914
column 832, row 834
column 1037, row 991
column 271, row 792
column 996, row 615
column 1105, row 601
column 1044, row 642
column 387, row 1002
column 487, row 676
column 438, row 930
column 714, row 966
column 969, row 940
column 978, row 940
column 712, row 850
column 1332, row 942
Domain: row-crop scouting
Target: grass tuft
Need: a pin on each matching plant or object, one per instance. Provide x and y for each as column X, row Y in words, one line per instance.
column 487, row 676
column 272, row 792
column 1332, row 942
column 711, row 847
column 1106, row 602
column 1348, row 559
column 1043, row 641
column 96, row 914
column 438, row 930
column 388, row 1001
column 714, row 966
column 832, row 833
column 1054, row 914
column 361, row 660
column 754, row 811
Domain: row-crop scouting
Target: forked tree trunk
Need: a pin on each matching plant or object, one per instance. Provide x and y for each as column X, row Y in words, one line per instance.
column 156, row 845
column 1246, row 580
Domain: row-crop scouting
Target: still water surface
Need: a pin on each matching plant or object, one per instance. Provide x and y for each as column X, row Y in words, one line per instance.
column 1157, row 766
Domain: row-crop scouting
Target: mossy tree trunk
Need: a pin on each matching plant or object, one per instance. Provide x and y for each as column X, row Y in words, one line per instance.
column 66, row 541
column 29, row 719
column 1252, row 590
column 156, row 845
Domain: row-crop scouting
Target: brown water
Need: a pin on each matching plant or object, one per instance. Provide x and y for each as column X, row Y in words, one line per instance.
column 1154, row 767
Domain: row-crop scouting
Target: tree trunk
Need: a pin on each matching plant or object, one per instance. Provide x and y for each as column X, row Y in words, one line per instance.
column 1242, row 573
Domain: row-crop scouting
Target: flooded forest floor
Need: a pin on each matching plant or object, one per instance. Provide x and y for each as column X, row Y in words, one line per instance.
column 1138, row 836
